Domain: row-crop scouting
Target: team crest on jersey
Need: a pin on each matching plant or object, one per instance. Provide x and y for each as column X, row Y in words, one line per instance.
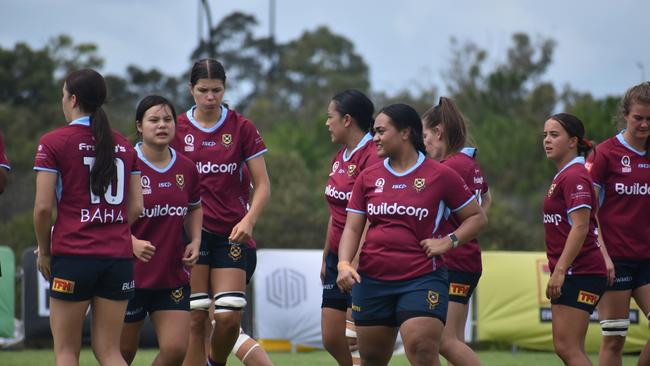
column 177, row 295
column 335, row 166
column 419, row 184
column 351, row 169
column 189, row 142
column 625, row 162
column 551, row 189
column 235, row 251
column 379, row 185
column 145, row 182
column 226, row 139
column 180, row 181
column 433, row 298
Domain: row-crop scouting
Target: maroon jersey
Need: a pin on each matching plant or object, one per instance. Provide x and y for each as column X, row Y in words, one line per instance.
column 466, row 257
column 346, row 167
column 4, row 161
column 623, row 176
column 87, row 224
column 404, row 209
column 168, row 194
column 219, row 154
column 572, row 189
column 246, row 182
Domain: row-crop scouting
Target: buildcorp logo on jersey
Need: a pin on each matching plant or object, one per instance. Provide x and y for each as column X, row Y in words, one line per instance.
column 636, row 189
column 339, row 195
column 210, row 167
column 394, row 209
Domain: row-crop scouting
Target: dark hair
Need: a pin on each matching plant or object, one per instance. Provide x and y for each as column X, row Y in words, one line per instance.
column 575, row 128
column 357, row 105
column 453, row 123
column 148, row 102
column 89, row 87
column 639, row 94
column 404, row 116
column 207, row 68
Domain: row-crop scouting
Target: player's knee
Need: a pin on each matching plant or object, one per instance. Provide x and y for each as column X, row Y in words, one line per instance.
column 200, row 301
column 232, row 301
column 173, row 353
column 128, row 354
column 616, row 328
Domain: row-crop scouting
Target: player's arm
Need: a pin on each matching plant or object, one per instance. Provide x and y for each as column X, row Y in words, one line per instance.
column 3, row 179
column 135, row 203
column 354, row 227
column 609, row 264
column 243, row 231
column 43, row 209
column 572, row 246
column 193, row 223
column 486, row 201
column 472, row 218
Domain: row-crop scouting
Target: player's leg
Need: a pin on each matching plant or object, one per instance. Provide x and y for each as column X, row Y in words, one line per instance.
column 66, row 322
column 133, row 320
column 569, row 331
column 200, row 301
column 376, row 344
column 228, row 286
column 613, row 311
column 333, row 330
column 642, row 297
column 421, row 336
column 172, row 330
column 106, row 328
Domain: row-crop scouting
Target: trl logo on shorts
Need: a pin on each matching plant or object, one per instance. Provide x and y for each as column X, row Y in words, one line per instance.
column 63, row 286
column 587, row 298
column 458, row 289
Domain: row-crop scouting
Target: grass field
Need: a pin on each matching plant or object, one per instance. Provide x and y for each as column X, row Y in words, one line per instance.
column 144, row 358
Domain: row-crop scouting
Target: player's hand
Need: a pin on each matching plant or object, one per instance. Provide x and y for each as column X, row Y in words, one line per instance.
column 191, row 254
column 43, row 263
column 242, row 232
column 433, row 246
column 554, row 287
column 323, row 270
column 347, row 277
column 611, row 272
column 142, row 249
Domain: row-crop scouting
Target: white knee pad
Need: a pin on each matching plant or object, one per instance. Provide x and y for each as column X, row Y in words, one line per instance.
column 244, row 345
column 200, row 301
column 614, row 327
column 350, row 329
column 229, row 301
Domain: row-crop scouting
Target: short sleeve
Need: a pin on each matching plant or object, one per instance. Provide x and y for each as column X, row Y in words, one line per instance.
column 457, row 195
column 4, row 161
column 195, row 188
column 252, row 142
column 577, row 192
column 597, row 165
column 46, row 158
column 357, row 202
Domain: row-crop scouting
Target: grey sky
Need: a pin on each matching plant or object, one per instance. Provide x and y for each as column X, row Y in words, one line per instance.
column 405, row 42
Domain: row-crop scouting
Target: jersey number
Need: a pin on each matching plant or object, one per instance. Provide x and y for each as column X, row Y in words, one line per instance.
column 108, row 196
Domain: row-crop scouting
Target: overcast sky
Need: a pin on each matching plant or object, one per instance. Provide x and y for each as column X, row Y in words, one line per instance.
column 603, row 46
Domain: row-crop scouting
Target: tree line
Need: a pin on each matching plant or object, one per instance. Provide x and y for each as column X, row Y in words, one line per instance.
column 284, row 88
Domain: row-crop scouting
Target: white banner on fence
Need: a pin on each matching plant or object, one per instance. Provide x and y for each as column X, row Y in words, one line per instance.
column 287, row 295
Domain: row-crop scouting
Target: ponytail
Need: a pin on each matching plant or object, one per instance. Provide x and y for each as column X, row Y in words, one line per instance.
column 574, row 128
column 90, row 89
column 447, row 114
column 104, row 170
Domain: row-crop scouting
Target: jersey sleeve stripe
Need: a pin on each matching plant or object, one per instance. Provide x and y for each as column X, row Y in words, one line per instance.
column 5, row 166
column 256, row 155
column 38, row 168
column 195, row 203
column 355, row 211
column 577, row 208
column 463, row 205
column 136, row 172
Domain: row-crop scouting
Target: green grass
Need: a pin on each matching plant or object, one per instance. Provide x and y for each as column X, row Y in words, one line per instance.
column 145, row 356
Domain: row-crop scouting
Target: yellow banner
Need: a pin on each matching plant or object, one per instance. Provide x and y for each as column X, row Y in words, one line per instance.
column 512, row 306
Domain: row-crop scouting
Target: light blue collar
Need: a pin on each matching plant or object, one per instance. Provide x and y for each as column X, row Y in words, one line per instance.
column 621, row 139
column 190, row 116
column 415, row 166
column 163, row 170
column 367, row 137
column 469, row 151
column 576, row 160
column 84, row 121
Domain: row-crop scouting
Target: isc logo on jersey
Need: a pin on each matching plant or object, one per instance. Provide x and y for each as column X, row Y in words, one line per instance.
column 209, row 167
column 636, row 189
column 166, row 210
column 394, row 209
column 332, row 192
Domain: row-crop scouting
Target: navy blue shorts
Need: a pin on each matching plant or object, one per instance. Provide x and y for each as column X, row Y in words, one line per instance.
column 630, row 275
column 217, row 251
column 251, row 263
column 147, row 301
column 462, row 285
column 78, row 278
column 582, row 292
column 391, row 303
column 333, row 297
